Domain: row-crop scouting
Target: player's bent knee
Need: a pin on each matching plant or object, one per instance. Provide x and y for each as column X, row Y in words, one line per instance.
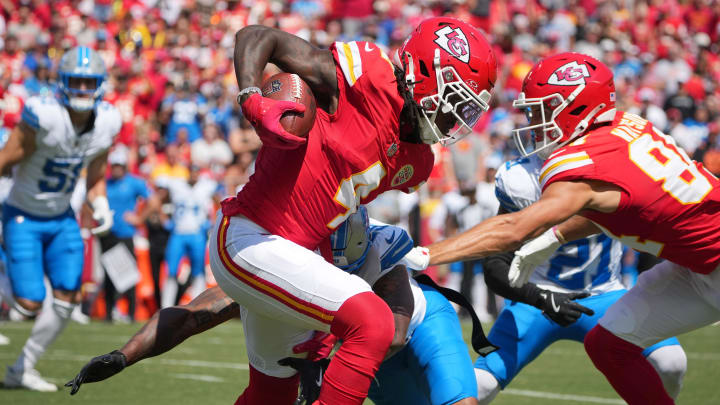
column 488, row 386
column 365, row 316
column 27, row 307
column 671, row 364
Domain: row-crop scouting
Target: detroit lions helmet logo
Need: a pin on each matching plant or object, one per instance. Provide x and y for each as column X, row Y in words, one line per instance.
column 569, row 74
column 454, row 42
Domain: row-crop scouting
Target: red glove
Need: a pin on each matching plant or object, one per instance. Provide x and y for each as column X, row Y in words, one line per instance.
column 264, row 114
column 318, row 347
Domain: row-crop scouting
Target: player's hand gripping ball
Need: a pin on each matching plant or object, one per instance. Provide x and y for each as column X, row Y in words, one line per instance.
column 290, row 87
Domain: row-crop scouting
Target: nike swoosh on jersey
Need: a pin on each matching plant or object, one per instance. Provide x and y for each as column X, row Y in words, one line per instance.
column 367, row 47
column 391, row 238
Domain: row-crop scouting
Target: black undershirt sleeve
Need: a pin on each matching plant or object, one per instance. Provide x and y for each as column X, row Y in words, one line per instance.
column 495, row 269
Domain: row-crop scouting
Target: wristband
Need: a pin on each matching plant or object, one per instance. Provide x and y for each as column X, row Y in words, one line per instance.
column 247, row 90
column 559, row 235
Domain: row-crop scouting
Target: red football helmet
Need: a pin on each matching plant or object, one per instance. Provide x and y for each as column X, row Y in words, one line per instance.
column 562, row 96
column 449, row 68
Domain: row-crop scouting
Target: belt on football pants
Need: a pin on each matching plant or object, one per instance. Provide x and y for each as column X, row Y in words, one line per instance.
column 479, row 341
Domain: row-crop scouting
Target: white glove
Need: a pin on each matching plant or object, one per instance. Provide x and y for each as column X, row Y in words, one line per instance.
column 532, row 254
column 102, row 214
column 417, row 258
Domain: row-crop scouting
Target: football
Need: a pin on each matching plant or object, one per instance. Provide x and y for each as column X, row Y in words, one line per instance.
column 290, row 87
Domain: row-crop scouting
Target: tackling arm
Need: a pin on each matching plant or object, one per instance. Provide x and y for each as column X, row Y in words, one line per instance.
column 171, row 326
column 507, row 232
column 394, row 289
column 20, row 144
column 165, row 330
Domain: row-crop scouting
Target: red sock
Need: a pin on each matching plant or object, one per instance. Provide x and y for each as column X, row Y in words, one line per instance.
column 263, row 390
column 366, row 327
column 627, row 370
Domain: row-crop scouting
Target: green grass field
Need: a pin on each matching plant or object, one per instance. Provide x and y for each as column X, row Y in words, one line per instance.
column 212, row 369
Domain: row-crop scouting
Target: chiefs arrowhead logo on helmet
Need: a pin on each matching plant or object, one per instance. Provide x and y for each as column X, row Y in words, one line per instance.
column 569, row 74
column 454, row 42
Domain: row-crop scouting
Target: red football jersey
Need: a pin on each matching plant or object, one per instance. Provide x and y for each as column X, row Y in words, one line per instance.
column 670, row 205
column 350, row 157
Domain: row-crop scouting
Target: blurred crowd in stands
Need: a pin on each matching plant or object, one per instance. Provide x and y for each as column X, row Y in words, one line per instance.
column 171, row 76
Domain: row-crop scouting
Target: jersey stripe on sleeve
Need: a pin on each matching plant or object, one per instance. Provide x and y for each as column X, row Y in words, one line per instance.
column 350, row 60
column 505, row 200
column 30, row 118
column 562, row 163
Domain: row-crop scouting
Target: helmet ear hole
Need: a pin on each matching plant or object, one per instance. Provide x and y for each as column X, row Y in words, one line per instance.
column 424, row 70
column 578, row 110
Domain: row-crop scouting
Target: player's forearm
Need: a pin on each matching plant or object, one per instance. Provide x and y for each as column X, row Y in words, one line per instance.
column 171, row 326
column 494, row 235
column 95, row 180
column 577, row 227
column 257, row 45
column 394, row 289
column 253, row 49
column 495, row 272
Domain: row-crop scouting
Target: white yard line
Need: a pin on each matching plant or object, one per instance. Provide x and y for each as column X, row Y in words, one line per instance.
column 198, row 377
column 562, row 397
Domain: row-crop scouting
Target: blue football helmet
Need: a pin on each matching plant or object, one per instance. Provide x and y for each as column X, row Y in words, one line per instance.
column 351, row 241
column 81, row 62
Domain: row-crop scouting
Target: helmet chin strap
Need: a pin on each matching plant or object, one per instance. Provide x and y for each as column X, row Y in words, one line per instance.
column 585, row 123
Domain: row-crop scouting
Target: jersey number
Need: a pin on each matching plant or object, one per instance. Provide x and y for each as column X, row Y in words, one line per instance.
column 60, row 176
column 570, row 267
column 681, row 179
column 354, row 188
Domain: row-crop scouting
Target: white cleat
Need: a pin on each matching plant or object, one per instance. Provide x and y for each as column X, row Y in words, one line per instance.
column 4, row 340
column 29, row 379
column 78, row 316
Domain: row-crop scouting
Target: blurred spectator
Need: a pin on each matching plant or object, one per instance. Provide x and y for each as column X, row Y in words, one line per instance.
column 124, row 192
column 171, row 168
column 211, row 151
column 185, row 109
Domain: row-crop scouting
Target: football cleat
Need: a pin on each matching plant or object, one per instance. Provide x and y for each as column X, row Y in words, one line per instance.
column 28, row 379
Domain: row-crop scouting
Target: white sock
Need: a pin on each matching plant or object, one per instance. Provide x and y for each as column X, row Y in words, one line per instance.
column 48, row 325
column 197, row 286
column 671, row 363
column 169, row 292
column 488, row 386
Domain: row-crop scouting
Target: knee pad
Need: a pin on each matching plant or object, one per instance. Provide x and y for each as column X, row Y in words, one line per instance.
column 671, row 364
column 488, row 386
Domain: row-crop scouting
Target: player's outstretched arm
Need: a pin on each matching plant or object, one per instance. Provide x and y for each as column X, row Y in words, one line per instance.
column 165, row 330
column 507, row 232
column 257, row 45
column 20, row 144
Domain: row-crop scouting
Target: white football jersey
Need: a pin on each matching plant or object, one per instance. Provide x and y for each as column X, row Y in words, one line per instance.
column 44, row 181
column 591, row 264
column 192, row 204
